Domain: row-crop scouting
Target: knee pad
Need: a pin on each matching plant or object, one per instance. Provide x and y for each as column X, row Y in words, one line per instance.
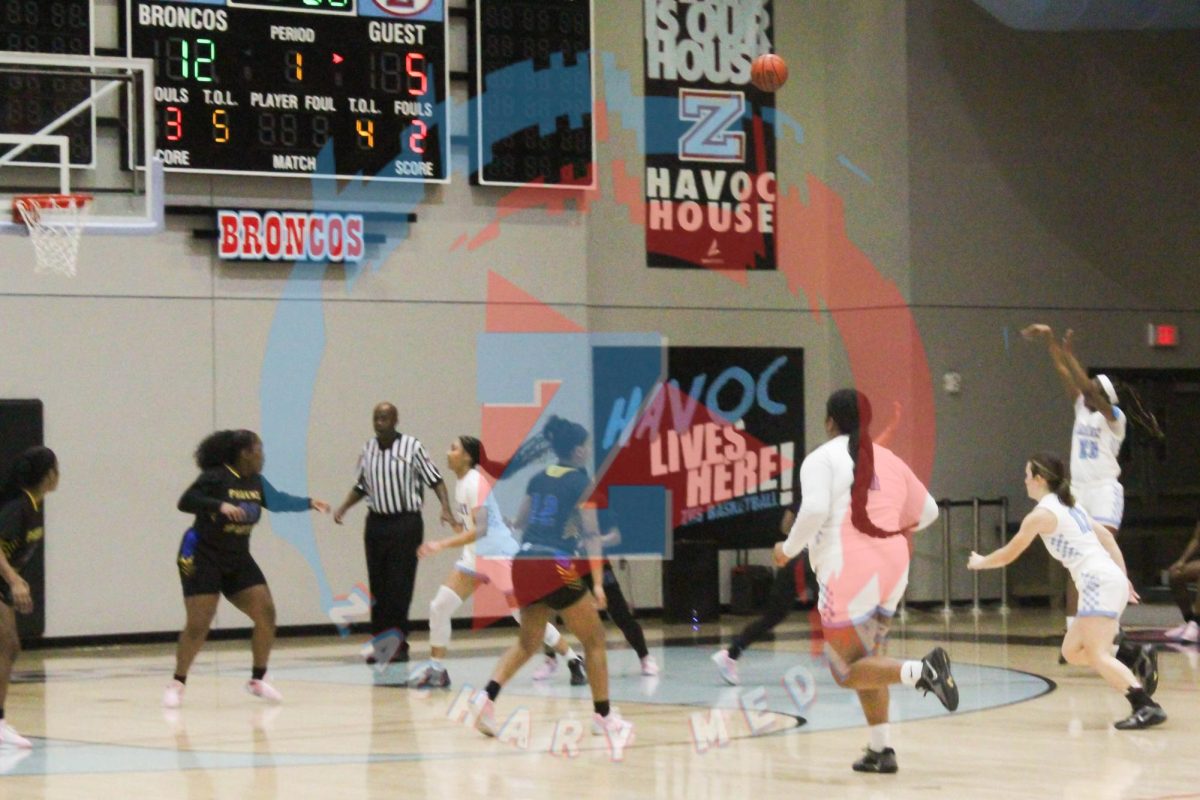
column 552, row 636
column 441, row 609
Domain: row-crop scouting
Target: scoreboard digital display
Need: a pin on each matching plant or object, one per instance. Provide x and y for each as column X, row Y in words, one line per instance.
column 30, row 102
column 534, row 93
column 261, row 87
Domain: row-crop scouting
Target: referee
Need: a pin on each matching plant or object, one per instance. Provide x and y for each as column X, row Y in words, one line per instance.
column 393, row 471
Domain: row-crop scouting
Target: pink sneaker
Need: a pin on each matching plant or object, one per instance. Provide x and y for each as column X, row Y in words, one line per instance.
column 613, row 725
column 10, row 737
column 1175, row 634
column 548, row 667
column 727, row 667
column 1191, row 633
column 485, row 723
column 264, row 690
column 649, row 666
column 173, row 695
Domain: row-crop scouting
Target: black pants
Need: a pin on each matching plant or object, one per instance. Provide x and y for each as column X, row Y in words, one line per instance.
column 779, row 605
column 391, row 542
column 619, row 611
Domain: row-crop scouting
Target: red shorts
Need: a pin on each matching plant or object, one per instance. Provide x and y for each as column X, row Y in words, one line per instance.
column 557, row 582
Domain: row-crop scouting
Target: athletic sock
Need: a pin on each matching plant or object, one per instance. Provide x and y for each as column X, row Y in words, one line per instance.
column 571, row 654
column 492, row 689
column 880, row 737
column 735, row 650
column 1, row 712
column 602, row 707
column 258, row 673
column 1138, row 698
column 181, row 678
column 910, row 672
column 435, row 663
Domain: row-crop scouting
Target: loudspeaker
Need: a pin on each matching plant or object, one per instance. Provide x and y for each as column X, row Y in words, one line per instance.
column 691, row 583
column 750, row 586
column 21, row 429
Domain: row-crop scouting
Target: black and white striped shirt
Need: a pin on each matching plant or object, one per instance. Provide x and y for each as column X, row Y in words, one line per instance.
column 394, row 479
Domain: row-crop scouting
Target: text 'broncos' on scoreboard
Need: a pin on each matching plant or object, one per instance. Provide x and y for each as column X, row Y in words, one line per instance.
column 264, row 87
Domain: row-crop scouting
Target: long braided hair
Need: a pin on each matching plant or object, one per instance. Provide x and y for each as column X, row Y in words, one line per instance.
column 850, row 411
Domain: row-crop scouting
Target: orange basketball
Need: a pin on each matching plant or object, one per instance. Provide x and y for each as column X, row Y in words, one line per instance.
column 768, row 72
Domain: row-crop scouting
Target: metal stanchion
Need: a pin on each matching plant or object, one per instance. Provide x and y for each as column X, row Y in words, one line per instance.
column 1003, row 540
column 946, row 609
column 975, row 546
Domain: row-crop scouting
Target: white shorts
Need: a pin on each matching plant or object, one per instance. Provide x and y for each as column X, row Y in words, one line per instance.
column 1102, row 594
column 1103, row 501
column 870, row 584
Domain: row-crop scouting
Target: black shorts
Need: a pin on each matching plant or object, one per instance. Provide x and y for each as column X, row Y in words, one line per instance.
column 557, row 582
column 205, row 570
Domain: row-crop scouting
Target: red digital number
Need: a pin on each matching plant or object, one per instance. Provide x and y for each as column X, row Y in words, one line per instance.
column 174, row 120
column 416, row 139
column 413, row 65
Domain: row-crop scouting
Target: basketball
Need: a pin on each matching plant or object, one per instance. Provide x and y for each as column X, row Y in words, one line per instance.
column 768, row 72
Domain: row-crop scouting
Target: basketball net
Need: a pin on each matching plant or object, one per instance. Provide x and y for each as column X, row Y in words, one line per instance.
column 55, row 222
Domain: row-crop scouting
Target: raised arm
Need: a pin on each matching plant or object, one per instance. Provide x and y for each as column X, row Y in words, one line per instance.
column 1096, row 398
column 1046, row 334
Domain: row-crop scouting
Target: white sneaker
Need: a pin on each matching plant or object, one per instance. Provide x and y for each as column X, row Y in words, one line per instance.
column 264, row 690
column 612, row 725
column 10, row 737
column 1191, row 633
column 485, row 723
column 649, row 666
column 548, row 667
column 727, row 667
column 173, row 695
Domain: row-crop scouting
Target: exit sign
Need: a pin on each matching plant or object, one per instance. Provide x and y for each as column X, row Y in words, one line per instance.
column 1162, row 335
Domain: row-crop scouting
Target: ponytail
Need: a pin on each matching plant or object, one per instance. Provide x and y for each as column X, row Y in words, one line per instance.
column 850, row 411
column 1050, row 468
column 560, row 435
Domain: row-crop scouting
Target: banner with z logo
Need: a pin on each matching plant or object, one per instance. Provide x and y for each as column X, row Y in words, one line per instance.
column 710, row 154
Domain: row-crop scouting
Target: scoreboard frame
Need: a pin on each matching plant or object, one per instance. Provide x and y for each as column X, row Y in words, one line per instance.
column 285, row 14
column 92, row 111
column 477, row 46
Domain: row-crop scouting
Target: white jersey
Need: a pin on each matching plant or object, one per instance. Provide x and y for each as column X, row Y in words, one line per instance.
column 1074, row 543
column 897, row 500
column 1095, row 443
column 472, row 491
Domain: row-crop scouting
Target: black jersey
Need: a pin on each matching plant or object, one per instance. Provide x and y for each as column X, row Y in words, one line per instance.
column 554, row 496
column 252, row 493
column 22, row 523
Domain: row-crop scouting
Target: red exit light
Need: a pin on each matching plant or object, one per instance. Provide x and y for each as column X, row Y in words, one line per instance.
column 1162, row 335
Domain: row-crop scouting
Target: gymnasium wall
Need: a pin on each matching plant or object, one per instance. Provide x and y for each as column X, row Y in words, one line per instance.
column 1052, row 180
column 943, row 187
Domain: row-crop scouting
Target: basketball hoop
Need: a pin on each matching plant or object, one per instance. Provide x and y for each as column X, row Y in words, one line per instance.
column 55, row 222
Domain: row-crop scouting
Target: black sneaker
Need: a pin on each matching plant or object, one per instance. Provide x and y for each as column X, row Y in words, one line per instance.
column 1144, row 717
column 578, row 673
column 884, row 763
column 936, row 678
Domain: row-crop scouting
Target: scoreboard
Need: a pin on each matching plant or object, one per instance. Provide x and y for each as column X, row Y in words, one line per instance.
column 534, row 61
column 30, row 102
column 262, row 87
